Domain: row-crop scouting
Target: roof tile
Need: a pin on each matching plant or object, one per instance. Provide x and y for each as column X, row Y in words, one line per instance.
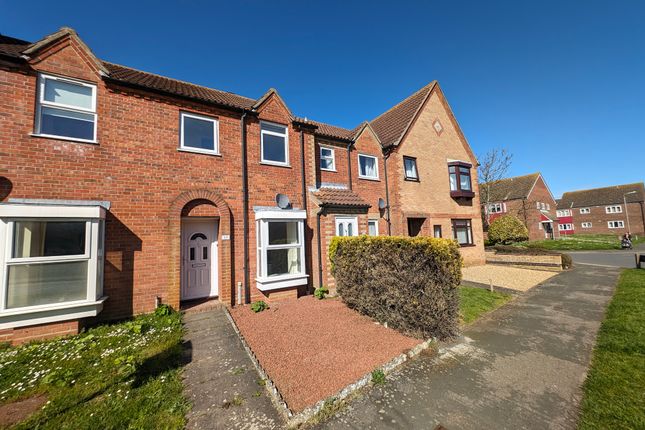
column 340, row 197
column 602, row 196
column 514, row 188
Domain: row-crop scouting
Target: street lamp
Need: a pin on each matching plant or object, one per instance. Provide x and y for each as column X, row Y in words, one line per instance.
column 626, row 211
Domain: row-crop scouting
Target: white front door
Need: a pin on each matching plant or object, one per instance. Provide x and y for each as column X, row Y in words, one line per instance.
column 199, row 259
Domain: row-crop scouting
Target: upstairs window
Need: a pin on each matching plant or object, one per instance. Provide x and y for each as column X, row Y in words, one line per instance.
column 66, row 109
column 614, row 209
column 563, row 212
column 410, row 167
column 585, row 210
column 460, row 182
column 275, row 143
column 327, row 159
column 199, row 134
column 367, row 167
column 495, row 208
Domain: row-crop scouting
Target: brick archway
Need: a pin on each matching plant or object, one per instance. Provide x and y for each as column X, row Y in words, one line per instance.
column 174, row 236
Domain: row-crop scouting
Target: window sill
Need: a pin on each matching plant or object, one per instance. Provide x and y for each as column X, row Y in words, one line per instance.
column 50, row 313
column 328, row 170
column 197, row 151
column 280, row 282
column 68, row 139
column 412, row 179
column 462, row 194
column 276, row 164
column 367, row 178
column 466, row 245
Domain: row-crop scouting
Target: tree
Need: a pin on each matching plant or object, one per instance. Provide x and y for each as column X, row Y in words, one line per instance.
column 492, row 167
column 507, row 229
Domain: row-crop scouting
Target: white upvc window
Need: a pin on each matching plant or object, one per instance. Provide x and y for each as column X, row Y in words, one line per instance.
column 372, row 227
column 51, row 263
column 495, row 208
column 586, row 225
column 548, row 207
column 327, row 159
column 367, row 167
column 565, row 227
column 616, row 209
column 616, row 224
column 199, row 133
column 274, row 143
column 346, row 226
column 585, row 210
column 563, row 212
column 280, row 249
column 65, row 109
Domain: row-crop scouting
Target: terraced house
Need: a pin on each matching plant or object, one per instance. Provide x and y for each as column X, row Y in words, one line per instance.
column 121, row 189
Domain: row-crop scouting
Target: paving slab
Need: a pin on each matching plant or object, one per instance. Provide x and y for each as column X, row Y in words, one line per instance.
column 220, row 379
column 520, row 367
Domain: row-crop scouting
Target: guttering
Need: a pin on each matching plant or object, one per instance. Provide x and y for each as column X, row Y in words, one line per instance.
column 349, row 164
column 245, row 211
column 302, row 169
column 320, row 276
column 386, row 156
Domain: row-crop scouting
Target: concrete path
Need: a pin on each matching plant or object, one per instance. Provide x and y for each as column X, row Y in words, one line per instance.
column 220, row 379
column 519, row 368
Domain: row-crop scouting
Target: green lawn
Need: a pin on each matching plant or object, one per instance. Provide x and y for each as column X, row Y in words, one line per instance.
column 474, row 302
column 613, row 392
column 119, row 376
column 580, row 242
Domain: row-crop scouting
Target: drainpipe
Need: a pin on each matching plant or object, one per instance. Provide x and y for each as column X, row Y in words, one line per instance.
column 387, row 194
column 642, row 215
column 245, row 217
column 302, row 169
column 320, row 277
column 526, row 221
column 349, row 164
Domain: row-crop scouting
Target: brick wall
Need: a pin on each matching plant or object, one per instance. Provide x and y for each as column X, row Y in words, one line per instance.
column 598, row 217
column 22, row 335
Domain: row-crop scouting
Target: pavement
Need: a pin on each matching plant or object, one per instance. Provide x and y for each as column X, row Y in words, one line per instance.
column 610, row 258
column 520, row 367
column 220, row 379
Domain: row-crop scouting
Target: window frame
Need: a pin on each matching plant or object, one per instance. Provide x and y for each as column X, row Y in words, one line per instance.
column 41, row 102
column 437, row 228
column 345, row 220
column 416, row 169
column 333, row 158
column 494, row 206
column 622, row 224
column 560, row 226
column 215, row 121
column 94, row 255
column 369, row 178
column 561, row 213
column 585, row 211
column 284, row 163
column 586, row 224
column 458, row 191
column 375, row 223
column 614, row 209
column 469, row 231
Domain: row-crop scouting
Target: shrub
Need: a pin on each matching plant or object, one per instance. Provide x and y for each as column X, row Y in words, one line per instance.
column 164, row 310
column 321, row 292
column 567, row 262
column 507, row 229
column 408, row 283
column 378, row 377
column 259, row 306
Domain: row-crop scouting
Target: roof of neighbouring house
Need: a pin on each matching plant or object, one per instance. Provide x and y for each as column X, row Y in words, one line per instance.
column 518, row 187
column 341, row 197
column 602, row 196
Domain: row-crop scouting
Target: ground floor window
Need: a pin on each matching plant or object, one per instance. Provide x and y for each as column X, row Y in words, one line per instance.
column 437, row 231
column 565, row 227
column 346, row 226
column 414, row 226
column 616, row 224
column 462, row 231
column 586, row 225
column 372, row 227
column 280, row 249
column 50, row 257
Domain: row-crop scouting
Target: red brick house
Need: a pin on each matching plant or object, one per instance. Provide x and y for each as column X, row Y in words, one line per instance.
column 610, row 210
column 121, row 189
column 528, row 197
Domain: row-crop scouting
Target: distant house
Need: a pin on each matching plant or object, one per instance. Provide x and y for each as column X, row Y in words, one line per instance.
column 527, row 197
column 617, row 209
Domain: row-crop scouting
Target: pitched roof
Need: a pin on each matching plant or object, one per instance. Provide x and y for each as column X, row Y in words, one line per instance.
column 332, row 131
column 340, row 197
column 12, row 47
column 602, row 196
column 515, row 188
column 391, row 125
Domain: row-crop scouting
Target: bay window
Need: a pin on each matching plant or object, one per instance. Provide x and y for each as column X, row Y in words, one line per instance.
column 462, row 231
column 280, row 249
column 460, row 182
column 66, row 108
column 51, row 263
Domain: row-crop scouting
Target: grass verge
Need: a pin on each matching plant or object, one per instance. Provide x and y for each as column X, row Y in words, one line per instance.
column 613, row 392
column 474, row 302
column 580, row 242
column 116, row 376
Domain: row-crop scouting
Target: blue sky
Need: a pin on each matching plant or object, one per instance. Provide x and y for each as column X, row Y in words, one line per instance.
column 559, row 84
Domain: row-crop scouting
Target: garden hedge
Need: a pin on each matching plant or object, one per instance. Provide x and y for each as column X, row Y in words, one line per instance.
column 409, row 283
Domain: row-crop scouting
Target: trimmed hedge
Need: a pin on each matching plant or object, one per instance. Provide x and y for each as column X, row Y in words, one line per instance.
column 411, row 284
column 567, row 262
column 507, row 229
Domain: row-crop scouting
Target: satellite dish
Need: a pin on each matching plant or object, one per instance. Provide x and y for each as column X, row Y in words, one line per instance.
column 282, row 201
column 381, row 204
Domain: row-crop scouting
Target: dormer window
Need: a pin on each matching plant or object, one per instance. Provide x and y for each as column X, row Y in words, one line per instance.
column 460, row 182
column 66, row 109
column 367, row 167
column 275, row 144
column 327, row 159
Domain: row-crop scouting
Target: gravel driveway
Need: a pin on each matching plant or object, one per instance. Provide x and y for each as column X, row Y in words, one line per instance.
column 512, row 278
